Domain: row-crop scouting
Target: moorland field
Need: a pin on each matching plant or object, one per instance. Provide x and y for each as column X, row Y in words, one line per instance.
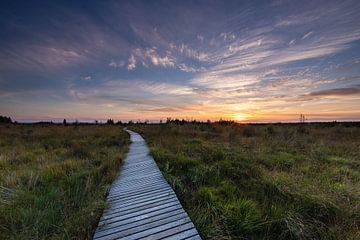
column 54, row 178
column 271, row 181
column 288, row 181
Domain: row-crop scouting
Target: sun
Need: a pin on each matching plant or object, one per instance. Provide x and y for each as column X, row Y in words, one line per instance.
column 239, row 117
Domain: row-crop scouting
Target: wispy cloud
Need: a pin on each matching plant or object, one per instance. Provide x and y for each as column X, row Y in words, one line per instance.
column 123, row 89
column 40, row 57
column 185, row 68
column 149, row 56
column 185, row 50
column 307, row 35
column 335, row 92
column 117, row 64
column 230, row 82
column 132, row 62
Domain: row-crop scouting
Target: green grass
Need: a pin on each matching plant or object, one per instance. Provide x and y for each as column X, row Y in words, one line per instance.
column 263, row 181
column 54, row 179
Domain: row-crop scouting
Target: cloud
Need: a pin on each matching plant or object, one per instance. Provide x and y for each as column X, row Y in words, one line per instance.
column 165, row 88
column 223, row 82
column 244, row 53
column 149, row 56
column 168, row 59
column 40, row 57
column 227, row 36
column 336, row 92
column 259, row 52
column 157, row 60
column 292, row 41
column 307, row 35
column 298, row 19
column 132, row 63
column 291, row 55
column 333, row 93
column 185, row 68
column 134, row 89
column 65, row 38
column 200, row 37
column 117, row 64
column 187, row 51
column 88, row 78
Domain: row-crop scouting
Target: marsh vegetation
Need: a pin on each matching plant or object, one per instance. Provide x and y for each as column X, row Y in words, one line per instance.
column 294, row 181
column 54, row 178
column 288, row 181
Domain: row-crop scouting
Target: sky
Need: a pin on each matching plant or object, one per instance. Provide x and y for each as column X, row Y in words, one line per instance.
column 248, row 61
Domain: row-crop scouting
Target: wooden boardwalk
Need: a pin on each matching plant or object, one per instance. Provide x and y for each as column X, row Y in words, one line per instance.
column 142, row 205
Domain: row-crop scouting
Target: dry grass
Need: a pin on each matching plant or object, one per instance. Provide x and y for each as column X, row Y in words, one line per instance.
column 54, row 178
column 264, row 181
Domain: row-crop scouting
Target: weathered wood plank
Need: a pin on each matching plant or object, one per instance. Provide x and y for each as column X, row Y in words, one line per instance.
column 123, row 225
column 111, row 218
column 141, row 203
column 144, row 227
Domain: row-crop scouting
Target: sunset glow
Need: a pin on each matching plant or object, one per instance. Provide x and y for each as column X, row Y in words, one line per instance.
column 245, row 61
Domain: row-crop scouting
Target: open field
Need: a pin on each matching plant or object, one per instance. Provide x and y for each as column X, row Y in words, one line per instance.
column 263, row 181
column 235, row 181
column 53, row 178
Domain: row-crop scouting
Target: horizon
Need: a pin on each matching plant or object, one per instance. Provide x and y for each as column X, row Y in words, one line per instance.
column 164, row 121
column 248, row 61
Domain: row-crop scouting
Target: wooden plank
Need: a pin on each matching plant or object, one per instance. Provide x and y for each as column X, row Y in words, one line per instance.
column 134, row 212
column 191, row 233
column 138, row 195
column 143, row 217
column 147, row 233
column 121, row 207
column 142, row 192
column 144, row 227
column 171, row 230
column 140, row 199
column 147, row 188
column 109, row 218
column 122, row 225
column 141, row 204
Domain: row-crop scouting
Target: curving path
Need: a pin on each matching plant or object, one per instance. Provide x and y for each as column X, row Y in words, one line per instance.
column 142, row 205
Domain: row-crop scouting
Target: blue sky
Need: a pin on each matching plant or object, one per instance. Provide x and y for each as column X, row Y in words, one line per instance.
column 241, row 60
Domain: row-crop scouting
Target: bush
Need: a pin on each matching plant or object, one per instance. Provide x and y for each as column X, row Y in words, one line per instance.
column 244, row 216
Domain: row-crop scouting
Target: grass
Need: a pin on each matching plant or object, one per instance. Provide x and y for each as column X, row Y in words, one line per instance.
column 54, row 178
column 263, row 181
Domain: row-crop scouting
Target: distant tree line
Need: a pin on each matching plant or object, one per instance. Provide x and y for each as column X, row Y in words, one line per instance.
column 96, row 122
column 4, row 119
column 176, row 121
column 183, row 121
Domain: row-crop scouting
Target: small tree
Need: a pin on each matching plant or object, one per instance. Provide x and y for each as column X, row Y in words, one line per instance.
column 302, row 118
column 4, row 119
